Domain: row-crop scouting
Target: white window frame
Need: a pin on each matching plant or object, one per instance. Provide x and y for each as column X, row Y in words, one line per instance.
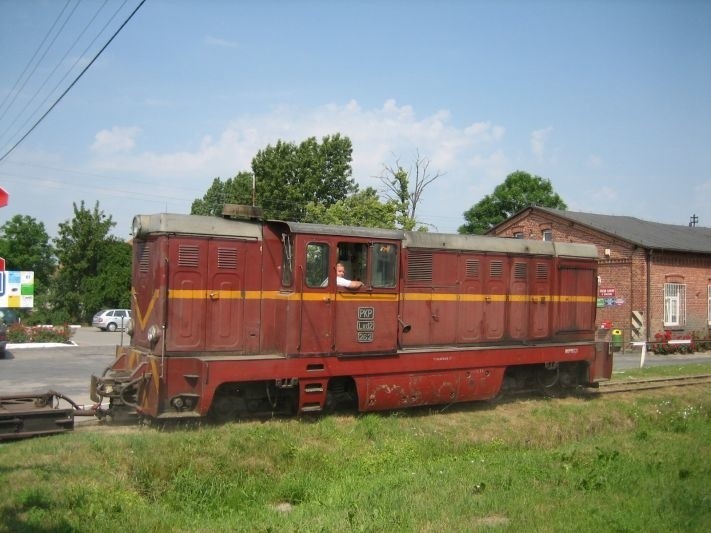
column 547, row 235
column 709, row 307
column 674, row 304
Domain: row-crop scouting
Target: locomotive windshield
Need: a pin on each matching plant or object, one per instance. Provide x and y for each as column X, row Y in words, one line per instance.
column 375, row 264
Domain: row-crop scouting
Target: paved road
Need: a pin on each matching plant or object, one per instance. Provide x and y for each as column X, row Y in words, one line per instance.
column 62, row 368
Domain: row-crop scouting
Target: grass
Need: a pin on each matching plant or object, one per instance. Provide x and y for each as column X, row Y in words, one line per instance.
column 663, row 371
column 624, row 463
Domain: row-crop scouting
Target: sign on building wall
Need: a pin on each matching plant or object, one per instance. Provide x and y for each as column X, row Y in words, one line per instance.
column 607, row 298
column 17, row 289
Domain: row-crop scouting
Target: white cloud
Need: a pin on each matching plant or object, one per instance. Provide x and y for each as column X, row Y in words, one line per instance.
column 115, row 140
column 216, row 41
column 539, row 138
column 471, row 159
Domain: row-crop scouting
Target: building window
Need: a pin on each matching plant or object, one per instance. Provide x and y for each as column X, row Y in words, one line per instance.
column 674, row 304
column 518, row 235
column 709, row 308
column 547, row 235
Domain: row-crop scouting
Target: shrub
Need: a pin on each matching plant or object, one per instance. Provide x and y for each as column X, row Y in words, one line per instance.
column 18, row 334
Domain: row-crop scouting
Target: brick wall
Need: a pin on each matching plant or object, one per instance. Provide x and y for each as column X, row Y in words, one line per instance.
column 622, row 270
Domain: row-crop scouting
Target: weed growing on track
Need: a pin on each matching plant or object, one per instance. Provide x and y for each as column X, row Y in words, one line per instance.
column 629, row 463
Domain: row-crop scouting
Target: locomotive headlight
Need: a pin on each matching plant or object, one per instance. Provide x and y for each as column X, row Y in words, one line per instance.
column 129, row 327
column 136, row 226
column 153, row 334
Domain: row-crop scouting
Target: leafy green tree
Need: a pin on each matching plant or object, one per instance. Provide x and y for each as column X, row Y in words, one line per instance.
column 237, row 190
column 24, row 244
column 88, row 261
column 518, row 191
column 288, row 177
column 363, row 208
column 112, row 283
column 405, row 189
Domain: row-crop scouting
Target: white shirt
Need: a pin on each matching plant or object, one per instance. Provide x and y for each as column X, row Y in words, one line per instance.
column 342, row 282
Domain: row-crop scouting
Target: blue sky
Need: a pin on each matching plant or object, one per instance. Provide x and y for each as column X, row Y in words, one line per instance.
column 611, row 101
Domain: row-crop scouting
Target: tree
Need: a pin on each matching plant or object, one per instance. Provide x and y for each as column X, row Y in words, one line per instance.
column 519, row 190
column 112, row 283
column 24, row 244
column 363, row 208
column 397, row 182
column 288, row 177
column 237, row 190
column 94, row 267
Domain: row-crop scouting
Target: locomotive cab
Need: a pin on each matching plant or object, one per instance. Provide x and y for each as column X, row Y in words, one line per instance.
column 331, row 319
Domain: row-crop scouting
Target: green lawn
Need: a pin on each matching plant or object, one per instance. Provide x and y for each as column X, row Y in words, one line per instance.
column 613, row 463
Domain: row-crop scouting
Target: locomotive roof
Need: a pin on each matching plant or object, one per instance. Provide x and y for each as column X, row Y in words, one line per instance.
column 346, row 231
column 195, row 225
column 181, row 224
column 453, row 241
column 438, row 241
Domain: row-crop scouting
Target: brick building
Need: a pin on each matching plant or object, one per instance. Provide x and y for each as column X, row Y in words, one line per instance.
column 652, row 277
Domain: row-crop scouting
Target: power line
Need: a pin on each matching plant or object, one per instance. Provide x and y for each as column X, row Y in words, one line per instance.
column 59, row 63
column 15, row 94
column 74, row 82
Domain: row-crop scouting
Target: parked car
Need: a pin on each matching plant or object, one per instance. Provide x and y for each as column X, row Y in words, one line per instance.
column 111, row 319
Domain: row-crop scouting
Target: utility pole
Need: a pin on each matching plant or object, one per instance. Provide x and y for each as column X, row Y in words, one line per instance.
column 694, row 220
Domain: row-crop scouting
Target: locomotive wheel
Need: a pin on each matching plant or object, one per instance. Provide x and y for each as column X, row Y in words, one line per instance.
column 226, row 408
column 547, row 377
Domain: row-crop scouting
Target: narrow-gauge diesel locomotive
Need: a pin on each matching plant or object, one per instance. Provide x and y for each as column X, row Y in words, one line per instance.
column 237, row 316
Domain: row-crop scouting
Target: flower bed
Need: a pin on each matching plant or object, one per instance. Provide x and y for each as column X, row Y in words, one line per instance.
column 666, row 343
column 19, row 334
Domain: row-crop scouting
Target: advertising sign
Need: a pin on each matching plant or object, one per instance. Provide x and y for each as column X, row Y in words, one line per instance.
column 17, row 289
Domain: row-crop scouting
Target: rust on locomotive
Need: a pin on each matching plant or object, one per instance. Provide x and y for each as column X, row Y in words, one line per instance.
column 239, row 316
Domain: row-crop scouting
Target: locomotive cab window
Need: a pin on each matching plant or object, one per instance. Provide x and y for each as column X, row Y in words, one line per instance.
column 354, row 258
column 287, row 264
column 384, row 265
column 317, row 264
column 375, row 264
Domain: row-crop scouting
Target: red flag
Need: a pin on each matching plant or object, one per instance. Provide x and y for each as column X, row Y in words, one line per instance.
column 3, row 197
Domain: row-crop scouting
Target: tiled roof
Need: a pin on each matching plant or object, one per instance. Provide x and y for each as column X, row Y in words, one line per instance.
column 650, row 235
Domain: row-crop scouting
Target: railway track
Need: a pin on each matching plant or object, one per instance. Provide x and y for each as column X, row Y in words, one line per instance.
column 633, row 385
column 23, row 416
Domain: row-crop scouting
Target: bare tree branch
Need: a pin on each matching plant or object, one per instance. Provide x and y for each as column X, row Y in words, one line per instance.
column 406, row 187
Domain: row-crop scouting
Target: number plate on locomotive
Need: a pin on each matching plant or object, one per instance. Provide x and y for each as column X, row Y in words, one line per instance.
column 365, row 336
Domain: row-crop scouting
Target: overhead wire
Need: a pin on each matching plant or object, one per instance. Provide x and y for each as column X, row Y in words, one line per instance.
column 39, row 62
column 12, row 91
column 59, row 63
column 97, row 176
column 61, row 96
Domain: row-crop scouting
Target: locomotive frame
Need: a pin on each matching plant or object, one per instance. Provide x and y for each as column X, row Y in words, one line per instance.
column 238, row 316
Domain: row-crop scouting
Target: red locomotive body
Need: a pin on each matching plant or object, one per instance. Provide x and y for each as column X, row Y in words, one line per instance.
column 237, row 317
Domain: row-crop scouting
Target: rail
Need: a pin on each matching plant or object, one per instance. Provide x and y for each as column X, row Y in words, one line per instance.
column 652, row 383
